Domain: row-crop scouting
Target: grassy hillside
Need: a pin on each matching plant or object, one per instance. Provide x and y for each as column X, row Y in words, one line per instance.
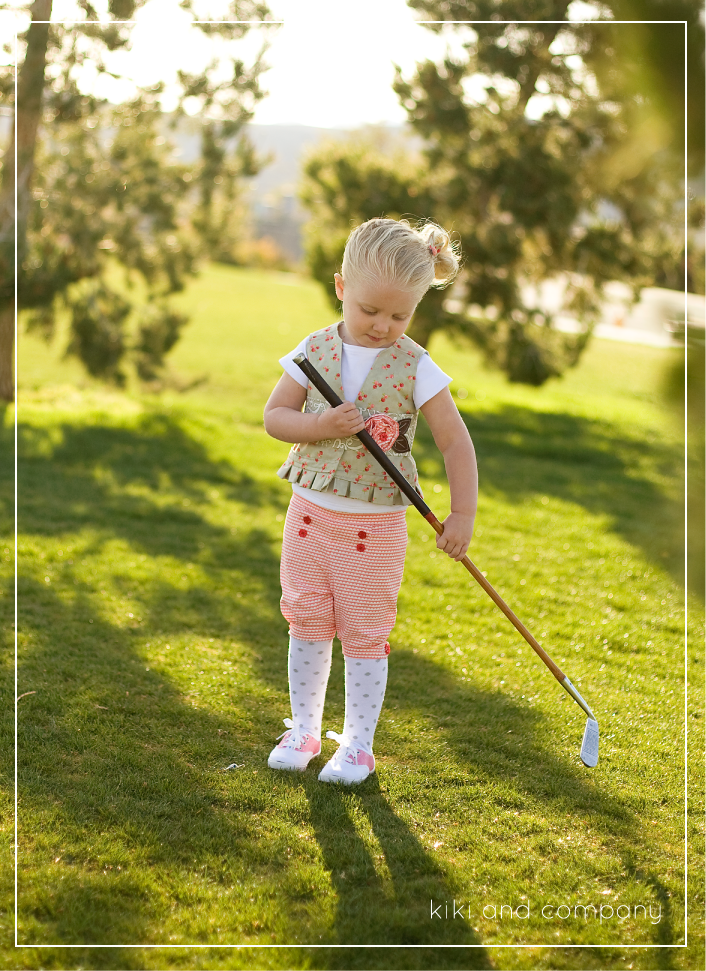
column 152, row 655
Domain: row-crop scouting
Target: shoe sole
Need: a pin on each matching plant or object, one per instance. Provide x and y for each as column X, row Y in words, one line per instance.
column 287, row 766
column 343, row 782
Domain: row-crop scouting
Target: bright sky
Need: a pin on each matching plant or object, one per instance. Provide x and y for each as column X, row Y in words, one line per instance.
column 331, row 60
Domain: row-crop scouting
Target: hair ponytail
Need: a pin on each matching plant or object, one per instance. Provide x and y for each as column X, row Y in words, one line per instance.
column 443, row 251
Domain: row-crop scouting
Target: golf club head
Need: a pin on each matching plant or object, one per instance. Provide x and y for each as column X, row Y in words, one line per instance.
column 589, row 746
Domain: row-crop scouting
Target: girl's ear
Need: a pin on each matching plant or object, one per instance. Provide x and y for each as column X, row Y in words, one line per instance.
column 338, row 282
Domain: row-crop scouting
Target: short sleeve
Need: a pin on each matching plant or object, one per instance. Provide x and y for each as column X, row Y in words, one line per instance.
column 430, row 381
column 291, row 368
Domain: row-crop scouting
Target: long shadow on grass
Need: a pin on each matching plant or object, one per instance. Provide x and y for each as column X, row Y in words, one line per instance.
column 522, row 452
column 118, row 772
column 373, row 909
column 500, row 740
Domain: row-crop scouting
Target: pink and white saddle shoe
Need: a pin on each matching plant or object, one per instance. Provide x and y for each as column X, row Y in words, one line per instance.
column 349, row 765
column 296, row 749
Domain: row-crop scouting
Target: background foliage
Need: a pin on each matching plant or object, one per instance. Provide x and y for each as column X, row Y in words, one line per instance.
column 568, row 166
column 99, row 188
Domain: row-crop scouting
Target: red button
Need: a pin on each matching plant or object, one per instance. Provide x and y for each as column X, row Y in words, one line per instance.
column 362, row 534
column 360, row 547
column 307, row 519
column 302, row 532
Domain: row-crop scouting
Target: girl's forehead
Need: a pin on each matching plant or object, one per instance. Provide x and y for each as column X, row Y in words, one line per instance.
column 383, row 294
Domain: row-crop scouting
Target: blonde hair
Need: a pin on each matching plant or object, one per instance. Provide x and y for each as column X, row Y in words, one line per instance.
column 391, row 251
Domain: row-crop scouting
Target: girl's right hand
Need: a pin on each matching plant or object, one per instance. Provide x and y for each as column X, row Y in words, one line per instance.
column 340, row 422
column 285, row 420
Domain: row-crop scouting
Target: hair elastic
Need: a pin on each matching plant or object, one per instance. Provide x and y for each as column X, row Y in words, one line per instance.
column 433, row 250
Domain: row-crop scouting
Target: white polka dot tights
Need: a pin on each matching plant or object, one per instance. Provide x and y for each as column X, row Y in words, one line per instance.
column 309, row 668
column 366, row 681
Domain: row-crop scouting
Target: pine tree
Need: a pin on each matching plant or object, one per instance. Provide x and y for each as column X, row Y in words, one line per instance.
column 540, row 174
column 99, row 189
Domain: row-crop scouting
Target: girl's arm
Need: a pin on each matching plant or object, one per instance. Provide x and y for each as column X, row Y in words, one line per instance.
column 285, row 420
column 454, row 443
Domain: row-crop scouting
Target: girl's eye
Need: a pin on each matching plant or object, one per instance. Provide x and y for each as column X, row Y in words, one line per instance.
column 370, row 313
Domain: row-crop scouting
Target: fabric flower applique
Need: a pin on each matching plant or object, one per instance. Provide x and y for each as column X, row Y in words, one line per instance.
column 384, row 430
column 400, row 444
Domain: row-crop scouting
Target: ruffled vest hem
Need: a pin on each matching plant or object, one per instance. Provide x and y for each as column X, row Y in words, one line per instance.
column 386, row 495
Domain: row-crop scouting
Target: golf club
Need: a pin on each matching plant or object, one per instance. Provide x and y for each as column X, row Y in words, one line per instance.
column 589, row 746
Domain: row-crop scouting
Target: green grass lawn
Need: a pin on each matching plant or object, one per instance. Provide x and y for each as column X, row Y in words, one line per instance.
column 153, row 655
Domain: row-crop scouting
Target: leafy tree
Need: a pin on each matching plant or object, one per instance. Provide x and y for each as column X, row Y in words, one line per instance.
column 535, row 190
column 99, row 189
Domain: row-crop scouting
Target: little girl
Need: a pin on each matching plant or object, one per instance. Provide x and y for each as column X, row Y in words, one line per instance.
column 345, row 534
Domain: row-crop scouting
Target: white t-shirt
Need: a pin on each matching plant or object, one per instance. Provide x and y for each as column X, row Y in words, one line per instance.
column 356, row 363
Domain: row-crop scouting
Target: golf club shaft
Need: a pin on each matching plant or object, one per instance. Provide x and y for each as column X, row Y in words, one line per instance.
column 410, row 492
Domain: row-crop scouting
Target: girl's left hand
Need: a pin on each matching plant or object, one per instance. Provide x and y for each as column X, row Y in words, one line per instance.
column 456, row 538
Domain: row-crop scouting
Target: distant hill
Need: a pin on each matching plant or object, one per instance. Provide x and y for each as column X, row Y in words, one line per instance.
column 273, row 193
column 286, row 144
column 275, row 209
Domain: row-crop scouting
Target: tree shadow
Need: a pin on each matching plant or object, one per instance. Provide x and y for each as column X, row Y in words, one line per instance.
column 111, row 747
column 461, row 712
column 522, row 452
column 111, row 744
column 515, row 753
column 71, row 475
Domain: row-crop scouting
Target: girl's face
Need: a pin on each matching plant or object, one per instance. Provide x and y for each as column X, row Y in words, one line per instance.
column 374, row 315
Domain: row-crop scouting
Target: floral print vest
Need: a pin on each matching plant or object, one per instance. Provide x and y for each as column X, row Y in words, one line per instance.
column 386, row 401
